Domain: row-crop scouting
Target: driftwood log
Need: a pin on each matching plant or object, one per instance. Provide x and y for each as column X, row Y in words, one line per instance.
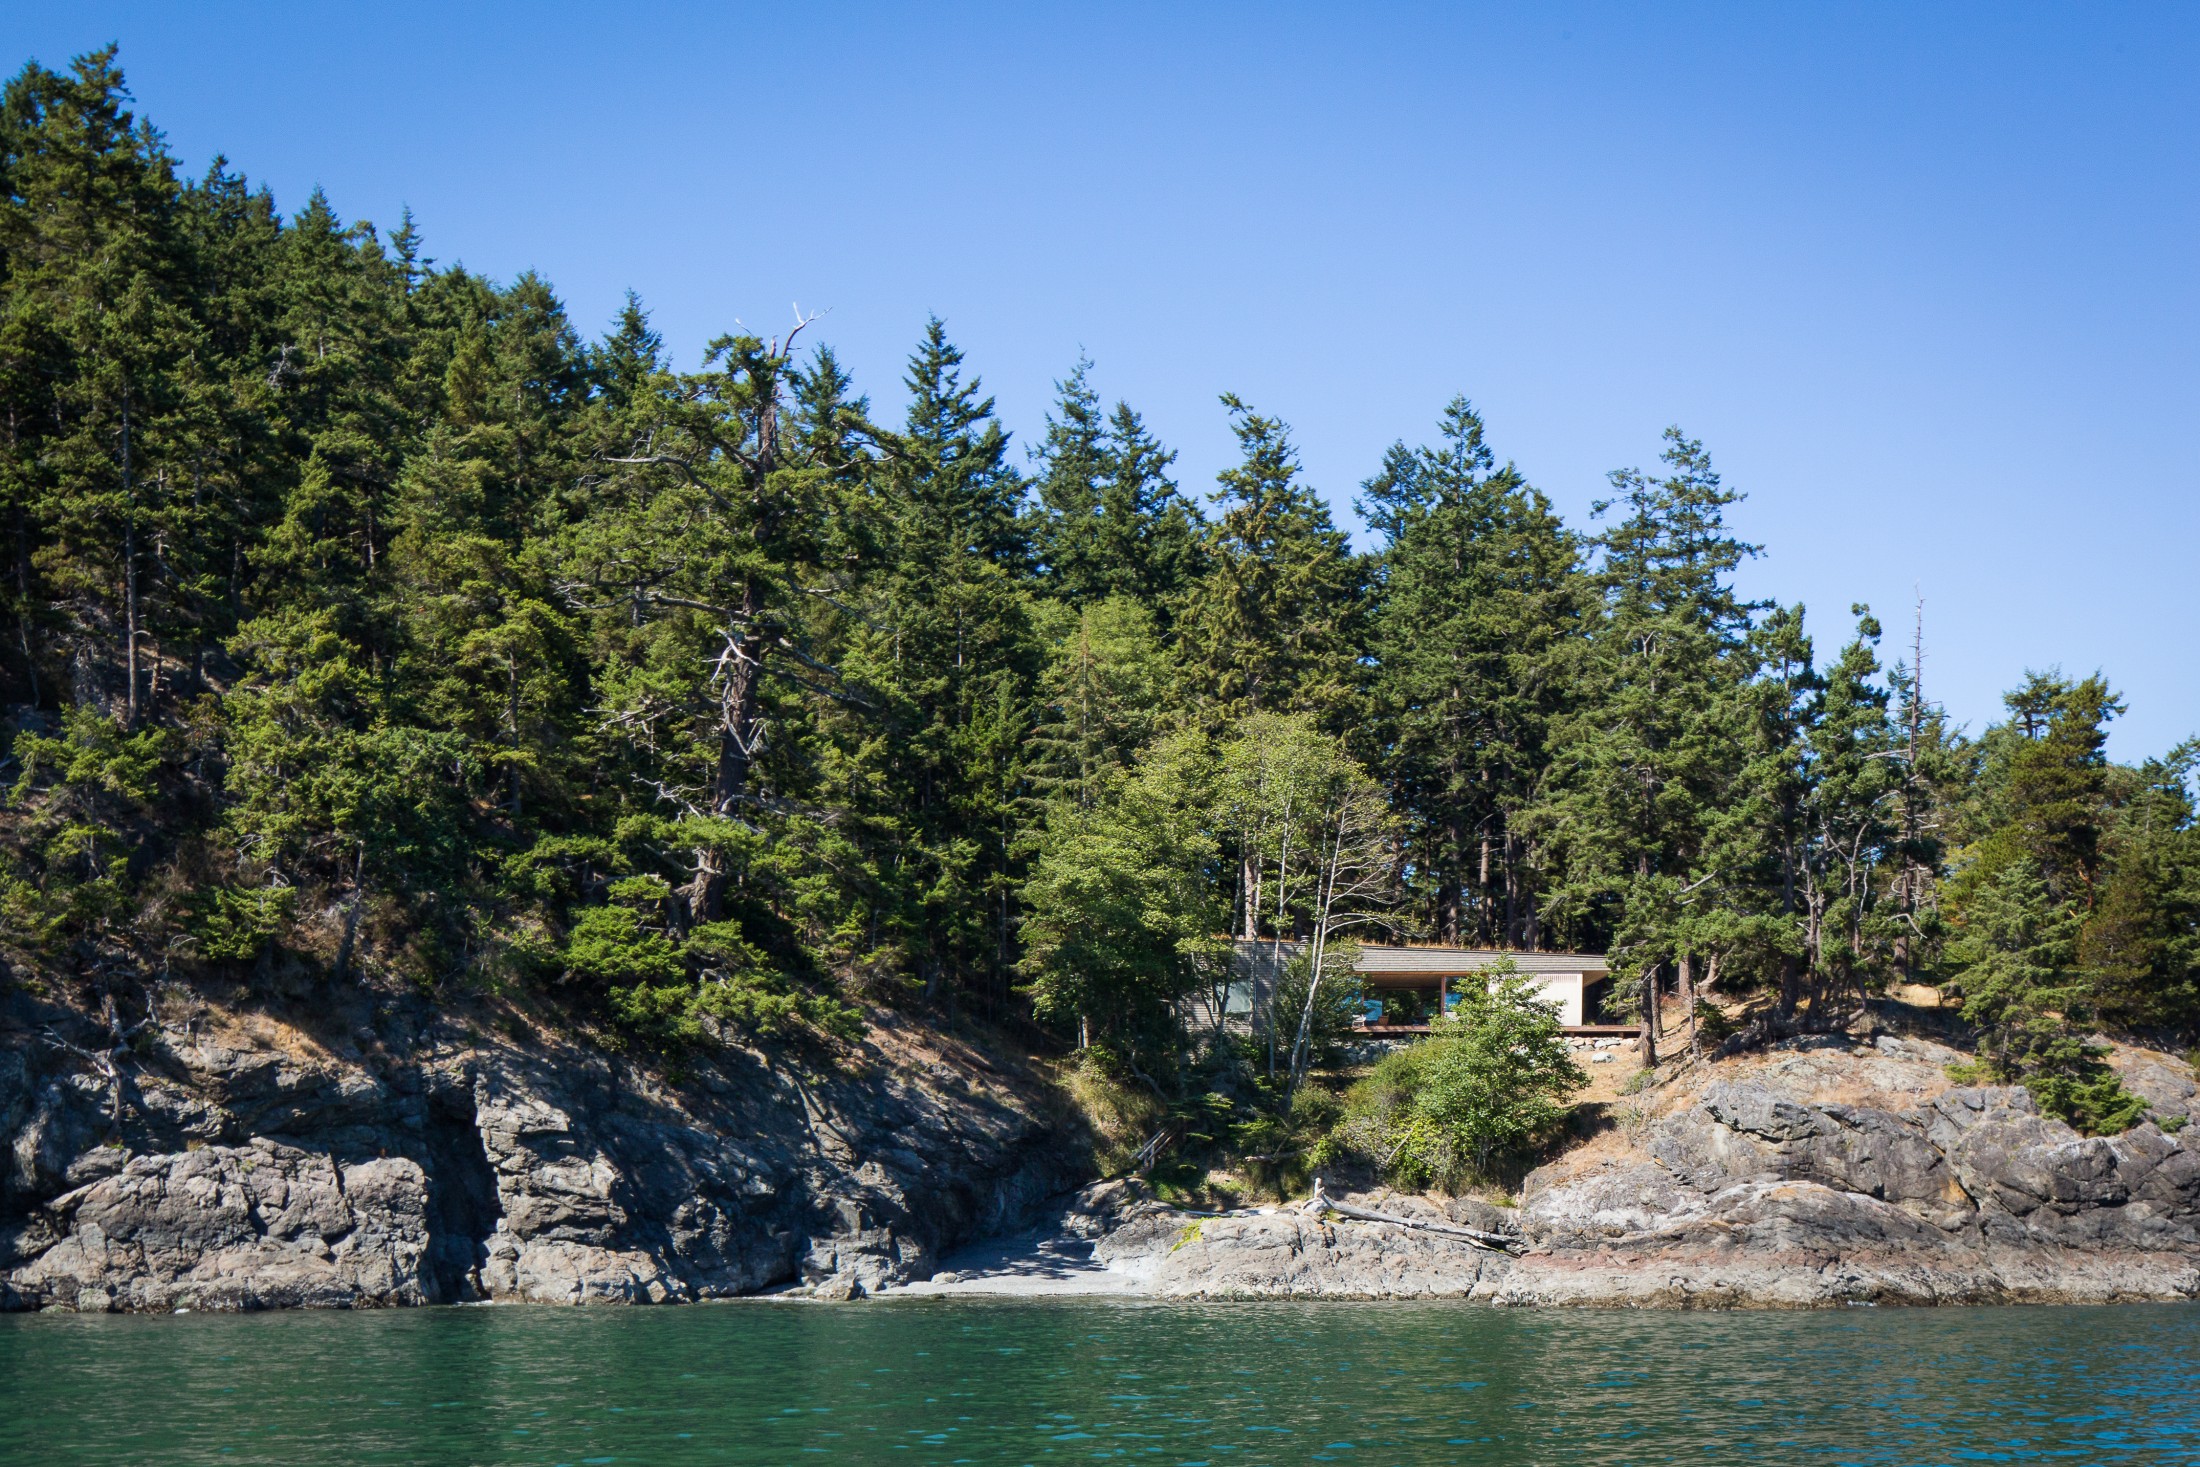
column 1321, row 1202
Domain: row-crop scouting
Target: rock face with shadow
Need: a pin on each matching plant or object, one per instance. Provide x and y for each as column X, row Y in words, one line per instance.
column 407, row 1160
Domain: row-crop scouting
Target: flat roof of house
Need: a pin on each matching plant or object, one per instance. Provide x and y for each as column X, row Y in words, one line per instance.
column 1441, row 961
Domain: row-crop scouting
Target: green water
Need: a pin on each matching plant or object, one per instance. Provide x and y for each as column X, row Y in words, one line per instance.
column 942, row 1381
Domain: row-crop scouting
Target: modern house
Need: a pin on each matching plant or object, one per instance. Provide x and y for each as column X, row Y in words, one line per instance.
column 1429, row 979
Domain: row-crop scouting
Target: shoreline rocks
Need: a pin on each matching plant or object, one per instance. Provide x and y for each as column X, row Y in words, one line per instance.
column 417, row 1162
column 413, row 1161
column 1743, row 1184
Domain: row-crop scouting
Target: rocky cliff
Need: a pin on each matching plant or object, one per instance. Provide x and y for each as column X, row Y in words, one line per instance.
column 1820, row 1174
column 371, row 1150
column 377, row 1150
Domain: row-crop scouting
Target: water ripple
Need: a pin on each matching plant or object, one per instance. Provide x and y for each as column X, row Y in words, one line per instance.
column 959, row 1381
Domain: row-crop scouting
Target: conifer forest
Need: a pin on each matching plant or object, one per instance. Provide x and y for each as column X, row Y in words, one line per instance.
column 366, row 618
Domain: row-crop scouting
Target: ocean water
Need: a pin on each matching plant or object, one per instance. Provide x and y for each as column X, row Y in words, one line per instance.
column 1077, row 1381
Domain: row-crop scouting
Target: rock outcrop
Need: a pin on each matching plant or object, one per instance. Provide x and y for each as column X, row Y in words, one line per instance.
column 398, row 1155
column 406, row 1159
column 1814, row 1176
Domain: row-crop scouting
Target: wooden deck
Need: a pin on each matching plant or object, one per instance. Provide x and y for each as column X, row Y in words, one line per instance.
column 1571, row 1031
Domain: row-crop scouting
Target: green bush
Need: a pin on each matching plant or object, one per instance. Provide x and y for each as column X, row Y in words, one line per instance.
column 673, row 992
column 2095, row 1106
column 680, row 1015
column 235, row 924
column 610, row 945
column 1486, row 1088
column 2066, row 1075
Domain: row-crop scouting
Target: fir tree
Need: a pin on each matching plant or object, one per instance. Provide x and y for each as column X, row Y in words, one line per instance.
column 1479, row 602
column 1274, row 622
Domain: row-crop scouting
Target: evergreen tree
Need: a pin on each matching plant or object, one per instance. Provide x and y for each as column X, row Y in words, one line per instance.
column 945, row 660
column 1478, row 606
column 2027, row 880
column 1104, row 690
column 2140, row 945
column 1650, row 748
column 105, row 378
column 697, row 556
column 1110, row 521
column 1274, row 623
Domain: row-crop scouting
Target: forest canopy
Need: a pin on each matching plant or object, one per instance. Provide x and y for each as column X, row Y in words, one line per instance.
column 363, row 615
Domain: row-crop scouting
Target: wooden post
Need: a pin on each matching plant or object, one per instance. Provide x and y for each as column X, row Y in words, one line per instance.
column 1443, row 993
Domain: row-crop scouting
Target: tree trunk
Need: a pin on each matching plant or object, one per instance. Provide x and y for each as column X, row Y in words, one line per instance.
column 1515, row 936
column 1482, row 891
column 129, row 576
column 511, row 718
column 740, row 732
column 23, row 598
column 1688, row 1001
column 351, row 914
column 1650, row 1018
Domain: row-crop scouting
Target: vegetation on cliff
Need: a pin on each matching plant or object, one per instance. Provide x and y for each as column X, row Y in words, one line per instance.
column 363, row 614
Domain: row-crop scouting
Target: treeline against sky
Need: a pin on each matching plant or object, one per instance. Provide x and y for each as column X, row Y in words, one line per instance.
column 363, row 614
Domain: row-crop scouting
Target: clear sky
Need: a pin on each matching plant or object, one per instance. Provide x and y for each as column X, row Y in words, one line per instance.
column 1925, row 278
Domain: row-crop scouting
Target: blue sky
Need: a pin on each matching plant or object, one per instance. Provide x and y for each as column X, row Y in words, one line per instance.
column 1926, row 279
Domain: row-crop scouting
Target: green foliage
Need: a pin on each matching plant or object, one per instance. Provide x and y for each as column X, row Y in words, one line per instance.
column 645, row 974
column 1486, row 1089
column 1104, row 691
column 679, row 1015
column 1482, row 602
column 361, row 605
column 1273, row 623
column 2072, row 904
column 237, row 924
column 81, row 805
column 1111, row 523
column 2096, row 1104
column 1339, row 1001
column 2066, row 1075
column 611, row 946
column 1122, row 911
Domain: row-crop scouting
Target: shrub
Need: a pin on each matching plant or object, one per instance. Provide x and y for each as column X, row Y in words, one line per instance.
column 1487, row 1087
column 2066, row 1075
column 610, row 945
column 235, row 924
column 677, row 993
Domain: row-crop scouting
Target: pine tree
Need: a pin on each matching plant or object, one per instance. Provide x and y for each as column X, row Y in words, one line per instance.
column 695, row 556
column 1072, row 464
column 2030, row 875
column 105, row 377
column 943, row 659
column 1105, row 687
